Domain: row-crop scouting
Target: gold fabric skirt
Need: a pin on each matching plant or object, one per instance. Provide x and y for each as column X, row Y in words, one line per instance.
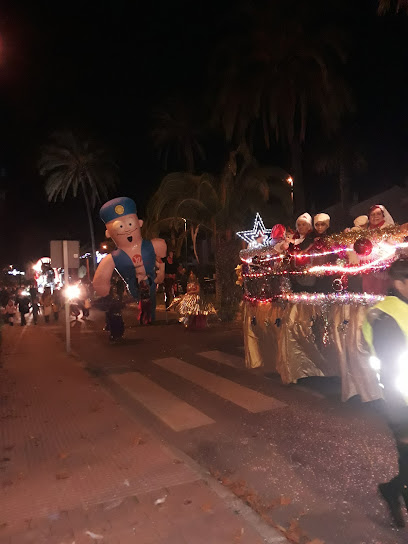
column 297, row 340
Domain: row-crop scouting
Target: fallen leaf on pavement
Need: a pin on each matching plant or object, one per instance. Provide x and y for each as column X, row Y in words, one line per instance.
column 62, row 475
column 113, row 504
column 94, row 536
column 160, row 501
column 294, row 533
column 206, row 507
column 285, row 501
column 63, row 455
column 139, row 441
column 187, row 501
column 238, row 534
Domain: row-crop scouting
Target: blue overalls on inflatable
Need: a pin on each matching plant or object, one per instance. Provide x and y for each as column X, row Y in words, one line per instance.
column 117, row 209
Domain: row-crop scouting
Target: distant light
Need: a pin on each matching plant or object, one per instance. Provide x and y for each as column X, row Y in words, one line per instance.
column 25, row 293
column 72, row 292
column 289, row 181
column 15, row 272
column 100, row 256
column 104, row 246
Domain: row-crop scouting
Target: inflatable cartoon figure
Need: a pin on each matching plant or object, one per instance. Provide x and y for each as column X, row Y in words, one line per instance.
column 135, row 259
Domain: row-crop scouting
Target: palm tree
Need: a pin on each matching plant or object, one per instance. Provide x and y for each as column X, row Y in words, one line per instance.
column 70, row 163
column 221, row 205
column 341, row 158
column 279, row 68
column 176, row 133
column 384, row 6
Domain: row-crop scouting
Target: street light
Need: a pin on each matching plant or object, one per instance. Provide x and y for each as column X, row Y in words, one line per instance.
column 185, row 232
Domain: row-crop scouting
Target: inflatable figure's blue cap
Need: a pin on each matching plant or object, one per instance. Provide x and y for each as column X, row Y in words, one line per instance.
column 116, row 208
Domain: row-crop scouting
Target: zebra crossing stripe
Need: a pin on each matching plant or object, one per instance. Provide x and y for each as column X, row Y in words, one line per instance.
column 174, row 412
column 223, row 358
column 244, row 397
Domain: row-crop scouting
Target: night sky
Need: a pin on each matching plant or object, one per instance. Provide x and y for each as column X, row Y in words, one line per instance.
column 102, row 68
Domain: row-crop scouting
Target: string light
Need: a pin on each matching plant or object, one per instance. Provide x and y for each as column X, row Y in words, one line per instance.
column 258, row 231
column 320, row 298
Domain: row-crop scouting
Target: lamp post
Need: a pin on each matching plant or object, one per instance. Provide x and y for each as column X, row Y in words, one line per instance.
column 185, row 233
column 289, row 181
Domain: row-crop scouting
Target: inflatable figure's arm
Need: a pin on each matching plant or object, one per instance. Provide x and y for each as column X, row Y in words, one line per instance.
column 103, row 274
column 160, row 248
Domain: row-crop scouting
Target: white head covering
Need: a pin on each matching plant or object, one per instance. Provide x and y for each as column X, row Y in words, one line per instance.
column 389, row 221
column 361, row 221
column 322, row 218
column 305, row 217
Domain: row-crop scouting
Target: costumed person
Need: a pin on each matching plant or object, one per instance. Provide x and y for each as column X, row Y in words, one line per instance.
column 23, row 308
column 377, row 282
column 9, row 312
column 35, row 308
column 114, row 319
column 46, row 303
column 302, row 242
column 145, row 306
column 135, row 259
column 386, row 333
column 56, row 304
column 170, row 272
column 321, row 222
column 379, row 217
column 193, row 308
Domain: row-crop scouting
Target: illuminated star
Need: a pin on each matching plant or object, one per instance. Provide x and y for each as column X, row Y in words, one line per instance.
column 258, row 236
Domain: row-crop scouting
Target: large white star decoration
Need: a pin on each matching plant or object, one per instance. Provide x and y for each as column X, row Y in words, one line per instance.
column 258, row 236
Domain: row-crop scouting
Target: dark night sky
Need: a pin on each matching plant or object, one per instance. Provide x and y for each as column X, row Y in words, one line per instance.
column 103, row 66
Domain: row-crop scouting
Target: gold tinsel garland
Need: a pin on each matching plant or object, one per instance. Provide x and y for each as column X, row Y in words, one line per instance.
column 394, row 234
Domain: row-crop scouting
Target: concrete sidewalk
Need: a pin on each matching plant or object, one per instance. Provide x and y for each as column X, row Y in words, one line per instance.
column 77, row 468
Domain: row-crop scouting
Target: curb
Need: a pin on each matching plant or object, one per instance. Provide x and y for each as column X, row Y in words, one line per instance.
column 269, row 534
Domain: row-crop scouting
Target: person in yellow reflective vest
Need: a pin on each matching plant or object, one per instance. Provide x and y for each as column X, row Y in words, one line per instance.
column 386, row 333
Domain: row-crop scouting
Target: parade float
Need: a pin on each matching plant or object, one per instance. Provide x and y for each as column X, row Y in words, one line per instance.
column 46, row 276
column 303, row 310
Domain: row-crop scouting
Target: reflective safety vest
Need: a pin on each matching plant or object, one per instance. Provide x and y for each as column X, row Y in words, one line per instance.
column 394, row 307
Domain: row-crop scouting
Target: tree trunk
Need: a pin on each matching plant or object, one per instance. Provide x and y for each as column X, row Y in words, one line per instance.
column 228, row 294
column 296, row 154
column 91, row 226
column 194, row 232
column 344, row 182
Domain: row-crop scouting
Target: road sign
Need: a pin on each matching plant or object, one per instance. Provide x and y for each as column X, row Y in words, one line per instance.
column 57, row 253
column 65, row 254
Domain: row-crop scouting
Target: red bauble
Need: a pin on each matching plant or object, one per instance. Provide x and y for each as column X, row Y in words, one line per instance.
column 363, row 246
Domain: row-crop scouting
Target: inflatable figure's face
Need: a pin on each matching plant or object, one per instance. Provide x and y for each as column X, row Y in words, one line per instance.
column 125, row 231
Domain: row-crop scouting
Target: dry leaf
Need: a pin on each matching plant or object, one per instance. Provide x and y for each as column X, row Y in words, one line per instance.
column 206, row 507
column 285, row 501
column 62, row 455
column 62, row 475
column 94, row 536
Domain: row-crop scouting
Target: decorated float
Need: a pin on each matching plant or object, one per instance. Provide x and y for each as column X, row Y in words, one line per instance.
column 306, row 296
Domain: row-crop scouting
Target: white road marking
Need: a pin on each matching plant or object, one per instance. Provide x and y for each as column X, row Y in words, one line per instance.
column 224, row 358
column 238, row 394
column 174, row 412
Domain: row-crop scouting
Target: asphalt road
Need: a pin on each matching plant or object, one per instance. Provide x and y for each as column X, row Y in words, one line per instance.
column 308, row 456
